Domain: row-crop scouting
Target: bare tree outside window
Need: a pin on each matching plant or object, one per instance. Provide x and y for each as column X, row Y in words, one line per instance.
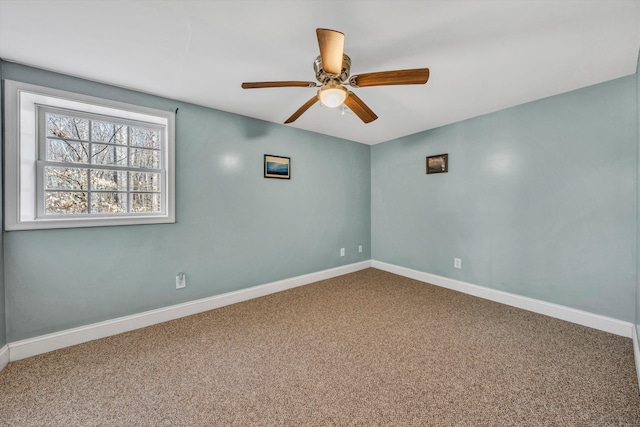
column 100, row 167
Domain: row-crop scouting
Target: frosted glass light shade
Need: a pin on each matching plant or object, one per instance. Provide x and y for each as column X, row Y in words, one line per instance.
column 332, row 96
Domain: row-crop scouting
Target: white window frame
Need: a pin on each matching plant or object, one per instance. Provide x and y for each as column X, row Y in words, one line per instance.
column 22, row 101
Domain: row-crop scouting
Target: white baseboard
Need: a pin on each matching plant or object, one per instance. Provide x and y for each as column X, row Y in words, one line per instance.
column 33, row 346
column 45, row 343
column 636, row 353
column 584, row 318
column 4, row 356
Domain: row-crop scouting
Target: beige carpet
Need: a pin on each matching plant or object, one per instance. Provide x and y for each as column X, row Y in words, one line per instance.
column 365, row 349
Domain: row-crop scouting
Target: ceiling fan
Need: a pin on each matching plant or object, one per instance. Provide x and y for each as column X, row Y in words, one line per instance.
column 332, row 71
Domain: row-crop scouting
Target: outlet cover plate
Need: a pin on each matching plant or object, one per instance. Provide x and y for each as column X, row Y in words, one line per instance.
column 181, row 281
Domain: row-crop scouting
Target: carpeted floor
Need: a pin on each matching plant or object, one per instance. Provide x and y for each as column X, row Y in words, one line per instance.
column 365, row 349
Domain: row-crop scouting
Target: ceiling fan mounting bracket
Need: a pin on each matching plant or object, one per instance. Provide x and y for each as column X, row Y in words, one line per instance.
column 327, row 78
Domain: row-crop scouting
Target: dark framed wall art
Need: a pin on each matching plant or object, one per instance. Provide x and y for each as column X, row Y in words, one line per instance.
column 277, row 167
column 438, row 163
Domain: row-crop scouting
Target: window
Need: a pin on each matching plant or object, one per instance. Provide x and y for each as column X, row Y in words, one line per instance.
column 79, row 161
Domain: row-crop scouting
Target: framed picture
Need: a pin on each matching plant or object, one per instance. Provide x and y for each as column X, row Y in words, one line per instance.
column 277, row 167
column 438, row 164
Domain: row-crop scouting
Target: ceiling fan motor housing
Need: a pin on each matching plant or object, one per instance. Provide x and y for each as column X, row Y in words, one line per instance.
column 326, row 78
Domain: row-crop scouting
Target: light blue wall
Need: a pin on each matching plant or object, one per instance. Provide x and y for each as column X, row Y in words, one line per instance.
column 539, row 200
column 637, row 318
column 235, row 229
column 3, row 327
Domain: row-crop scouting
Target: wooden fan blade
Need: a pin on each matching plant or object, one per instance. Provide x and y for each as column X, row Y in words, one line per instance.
column 416, row 76
column 302, row 109
column 331, row 45
column 258, row 85
column 360, row 108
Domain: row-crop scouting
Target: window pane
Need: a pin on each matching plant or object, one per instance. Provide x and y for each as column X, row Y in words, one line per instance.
column 60, row 150
column 108, row 155
column 108, row 180
column 141, row 202
column 108, row 132
column 148, row 138
column 141, row 181
column 65, row 178
column 108, row 202
column 65, row 202
column 67, row 127
column 142, row 158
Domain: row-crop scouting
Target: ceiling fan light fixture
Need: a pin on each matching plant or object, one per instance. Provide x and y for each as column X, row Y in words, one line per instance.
column 332, row 96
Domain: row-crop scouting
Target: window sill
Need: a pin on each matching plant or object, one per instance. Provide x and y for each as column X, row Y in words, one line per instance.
column 44, row 224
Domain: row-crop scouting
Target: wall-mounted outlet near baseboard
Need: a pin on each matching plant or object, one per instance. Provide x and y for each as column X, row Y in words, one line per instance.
column 359, row 248
column 181, row 281
column 341, row 251
column 457, row 263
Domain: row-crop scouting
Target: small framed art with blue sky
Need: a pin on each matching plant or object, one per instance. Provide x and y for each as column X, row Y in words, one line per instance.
column 277, row 167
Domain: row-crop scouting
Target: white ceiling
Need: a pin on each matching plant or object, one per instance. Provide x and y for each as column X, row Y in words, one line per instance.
column 483, row 55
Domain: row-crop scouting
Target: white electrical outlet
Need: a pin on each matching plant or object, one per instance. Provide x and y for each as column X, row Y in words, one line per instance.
column 360, row 248
column 457, row 263
column 181, row 281
column 341, row 251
